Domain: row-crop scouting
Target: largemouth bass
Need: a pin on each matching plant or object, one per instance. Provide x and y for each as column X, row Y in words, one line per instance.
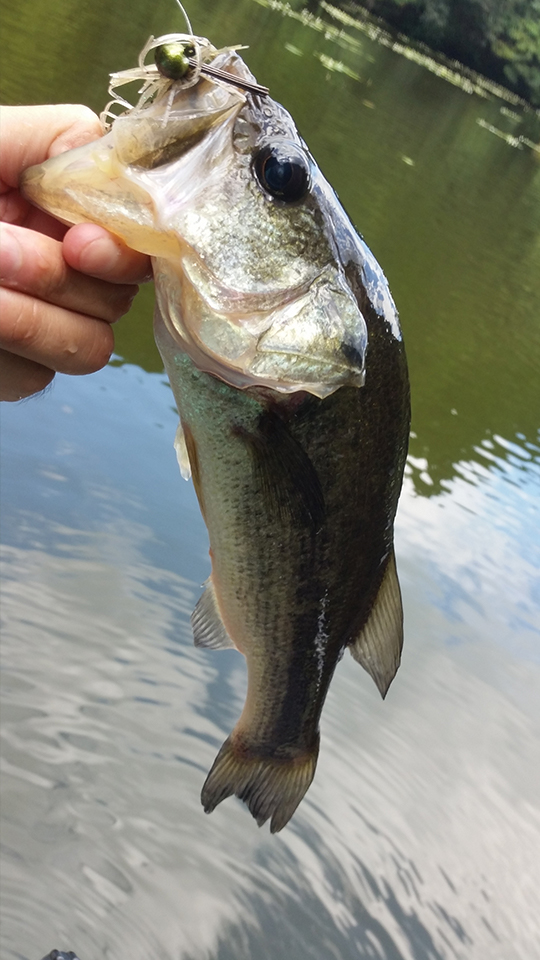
column 283, row 349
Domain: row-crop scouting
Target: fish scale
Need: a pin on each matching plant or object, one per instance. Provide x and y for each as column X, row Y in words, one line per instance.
column 283, row 349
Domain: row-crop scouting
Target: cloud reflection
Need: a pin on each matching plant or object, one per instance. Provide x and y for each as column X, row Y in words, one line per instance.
column 410, row 843
column 416, row 840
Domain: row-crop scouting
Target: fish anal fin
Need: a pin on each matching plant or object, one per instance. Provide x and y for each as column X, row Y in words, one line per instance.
column 378, row 646
column 272, row 788
column 208, row 627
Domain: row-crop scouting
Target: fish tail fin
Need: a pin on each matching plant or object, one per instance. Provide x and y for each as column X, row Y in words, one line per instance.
column 271, row 788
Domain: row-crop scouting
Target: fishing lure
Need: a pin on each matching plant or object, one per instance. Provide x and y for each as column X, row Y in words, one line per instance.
column 179, row 59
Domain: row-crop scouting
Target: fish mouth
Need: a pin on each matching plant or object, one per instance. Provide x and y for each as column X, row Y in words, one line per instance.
column 110, row 181
column 141, row 180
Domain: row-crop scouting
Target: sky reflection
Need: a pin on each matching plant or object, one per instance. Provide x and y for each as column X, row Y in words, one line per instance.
column 417, row 837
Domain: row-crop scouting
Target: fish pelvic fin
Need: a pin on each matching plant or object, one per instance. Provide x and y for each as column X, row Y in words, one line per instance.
column 271, row 787
column 378, row 646
column 208, row 627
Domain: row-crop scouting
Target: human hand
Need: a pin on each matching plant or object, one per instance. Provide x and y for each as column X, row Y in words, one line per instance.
column 61, row 288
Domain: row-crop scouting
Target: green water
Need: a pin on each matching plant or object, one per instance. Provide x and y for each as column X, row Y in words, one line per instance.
column 420, row 838
column 450, row 209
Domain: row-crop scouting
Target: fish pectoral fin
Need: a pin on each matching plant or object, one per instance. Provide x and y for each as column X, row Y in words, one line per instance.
column 289, row 482
column 271, row 787
column 181, row 450
column 378, row 646
column 208, row 628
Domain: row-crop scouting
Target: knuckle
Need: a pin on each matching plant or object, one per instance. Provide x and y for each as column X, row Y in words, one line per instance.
column 21, row 321
column 50, row 276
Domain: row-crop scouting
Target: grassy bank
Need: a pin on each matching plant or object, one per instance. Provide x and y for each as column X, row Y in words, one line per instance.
column 497, row 38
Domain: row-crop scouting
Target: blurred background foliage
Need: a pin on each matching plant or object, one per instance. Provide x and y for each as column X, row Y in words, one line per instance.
column 498, row 38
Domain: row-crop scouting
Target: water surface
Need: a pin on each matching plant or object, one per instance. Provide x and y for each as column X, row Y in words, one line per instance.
column 420, row 837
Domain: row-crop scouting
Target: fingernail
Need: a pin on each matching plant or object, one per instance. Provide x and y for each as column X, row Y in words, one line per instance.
column 11, row 257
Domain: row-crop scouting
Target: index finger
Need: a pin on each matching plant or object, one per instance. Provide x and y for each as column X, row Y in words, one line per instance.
column 32, row 134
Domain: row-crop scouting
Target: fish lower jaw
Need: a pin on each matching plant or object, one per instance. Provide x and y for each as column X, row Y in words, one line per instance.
column 283, row 371
column 298, row 340
column 245, row 379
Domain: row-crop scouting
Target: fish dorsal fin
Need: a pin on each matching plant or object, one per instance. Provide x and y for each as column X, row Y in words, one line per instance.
column 378, row 646
column 208, row 628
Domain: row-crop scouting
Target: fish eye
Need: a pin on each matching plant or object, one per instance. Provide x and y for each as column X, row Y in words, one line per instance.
column 282, row 170
column 172, row 59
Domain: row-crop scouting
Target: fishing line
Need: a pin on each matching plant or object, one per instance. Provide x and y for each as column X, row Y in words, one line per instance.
column 186, row 18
